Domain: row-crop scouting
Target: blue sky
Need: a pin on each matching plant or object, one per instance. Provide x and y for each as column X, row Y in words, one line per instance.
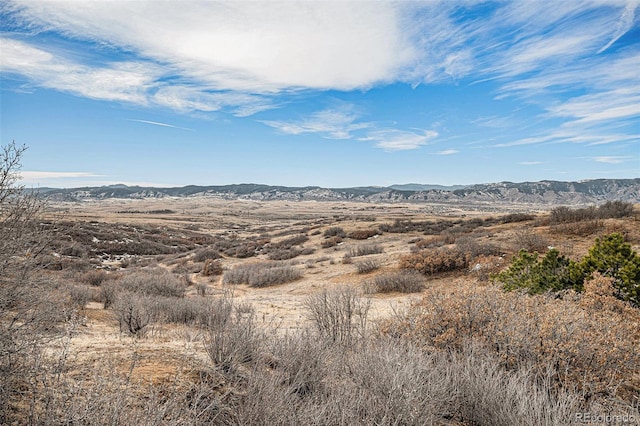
column 333, row 94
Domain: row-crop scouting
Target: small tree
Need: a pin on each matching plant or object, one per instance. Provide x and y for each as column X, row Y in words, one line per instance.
column 527, row 271
column 614, row 258
column 26, row 316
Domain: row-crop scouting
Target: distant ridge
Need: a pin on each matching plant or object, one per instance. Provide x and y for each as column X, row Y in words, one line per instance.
column 420, row 187
column 542, row 192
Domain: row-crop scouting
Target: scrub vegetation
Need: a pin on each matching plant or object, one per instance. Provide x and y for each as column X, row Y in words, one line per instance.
column 237, row 313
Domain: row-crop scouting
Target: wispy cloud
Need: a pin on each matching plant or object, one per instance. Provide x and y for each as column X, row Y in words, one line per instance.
column 400, row 140
column 238, row 57
column 611, row 159
column 254, row 47
column 330, row 123
column 35, row 175
column 156, row 123
column 448, row 152
column 530, row 163
column 58, row 179
column 343, row 123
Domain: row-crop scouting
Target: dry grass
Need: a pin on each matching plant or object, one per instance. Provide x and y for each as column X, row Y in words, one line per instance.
column 464, row 353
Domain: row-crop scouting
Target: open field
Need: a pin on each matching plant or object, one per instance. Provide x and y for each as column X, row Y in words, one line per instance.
column 193, row 308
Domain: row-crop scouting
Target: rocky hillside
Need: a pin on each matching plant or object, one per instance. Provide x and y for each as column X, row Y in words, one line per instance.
column 543, row 192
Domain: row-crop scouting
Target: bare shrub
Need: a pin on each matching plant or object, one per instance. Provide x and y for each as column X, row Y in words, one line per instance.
column 583, row 228
column 274, row 276
column 517, row 217
column 589, row 343
column 331, row 242
column 133, row 312
column 94, row 277
column 334, row 231
column 212, row 267
column 471, row 247
column 364, row 250
column 27, row 318
column 232, row 338
column 290, row 242
column 434, row 261
column 156, row 282
column 338, row 315
column 615, row 210
column 80, row 295
column 109, row 293
column 189, row 311
column 289, row 253
column 432, row 241
column 362, row 234
column 565, row 214
column 205, row 254
column 75, row 250
column 530, row 242
column 262, row 274
column 366, row 266
column 404, row 281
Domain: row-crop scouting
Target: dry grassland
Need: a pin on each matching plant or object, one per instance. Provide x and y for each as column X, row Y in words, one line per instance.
column 173, row 262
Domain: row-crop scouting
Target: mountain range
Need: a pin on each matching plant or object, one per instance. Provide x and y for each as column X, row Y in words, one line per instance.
column 542, row 192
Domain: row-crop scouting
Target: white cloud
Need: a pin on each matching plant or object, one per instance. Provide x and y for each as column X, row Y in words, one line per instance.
column 448, row 152
column 400, row 140
column 343, row 123
column 35, row 175
column 76, row 180
column 238, row 56
column 254, row 47
column 57, row 179
column 331, row 123
column 530, row 163
column 124, row 81
column 611, row 159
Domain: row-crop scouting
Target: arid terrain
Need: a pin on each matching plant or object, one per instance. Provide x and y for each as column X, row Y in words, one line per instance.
column 140, row 282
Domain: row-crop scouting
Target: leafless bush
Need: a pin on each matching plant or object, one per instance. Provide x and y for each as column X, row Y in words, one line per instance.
column 27, row 318
column 530, row 242
column 367, row 265
column 404, row 281
column 565, row 214
column 582, row 228
column 364, row 250
column 205, row 254
column 335, row 231
column 212, row 267
column 80, row 295
column 133, row 312
column 156, row 282
column 594, row 353
column 274, row 276
column 517, row 217
column 331, row 242
column 232, row 337
column 434, row 261
column 362, row 234
column 262, row 274
column 432, row 241
column 615, row 210
column 338, row 315
column 471, row 247
column 290, row 253
column 75, row 250
column 94, row 277
column 109, row 293
column 189, row 311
